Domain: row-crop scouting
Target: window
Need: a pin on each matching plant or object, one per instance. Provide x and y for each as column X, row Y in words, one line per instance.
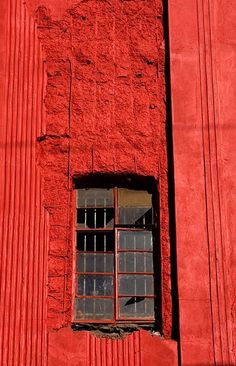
column 114, row 275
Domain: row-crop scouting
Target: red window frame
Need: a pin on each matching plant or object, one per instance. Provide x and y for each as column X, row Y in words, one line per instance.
column 115, row 229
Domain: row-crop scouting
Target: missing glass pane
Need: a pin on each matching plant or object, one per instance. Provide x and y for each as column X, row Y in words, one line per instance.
column 95, row 218
column 100, row 242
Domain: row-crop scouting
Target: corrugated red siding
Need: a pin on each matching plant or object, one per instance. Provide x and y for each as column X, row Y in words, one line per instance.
column 203, row 77
column 85, row 349
column 107, row 352
column 23, row 221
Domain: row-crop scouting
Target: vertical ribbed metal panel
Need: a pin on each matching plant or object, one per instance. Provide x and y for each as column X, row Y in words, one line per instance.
column 116, row 352
column 24, row 228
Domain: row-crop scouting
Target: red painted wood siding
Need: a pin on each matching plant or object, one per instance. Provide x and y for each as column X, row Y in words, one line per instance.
column 203, row 78
column 24, row 223
column 137, row 349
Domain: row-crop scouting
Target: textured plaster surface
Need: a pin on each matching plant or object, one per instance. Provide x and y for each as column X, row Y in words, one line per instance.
column 105, row 112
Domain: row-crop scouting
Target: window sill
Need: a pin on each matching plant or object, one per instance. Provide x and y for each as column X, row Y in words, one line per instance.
column 116, row 331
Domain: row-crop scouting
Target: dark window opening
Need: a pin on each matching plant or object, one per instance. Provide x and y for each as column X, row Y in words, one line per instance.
column 116, row 263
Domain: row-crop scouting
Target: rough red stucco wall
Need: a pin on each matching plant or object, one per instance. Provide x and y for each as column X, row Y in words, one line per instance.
column 105, row 107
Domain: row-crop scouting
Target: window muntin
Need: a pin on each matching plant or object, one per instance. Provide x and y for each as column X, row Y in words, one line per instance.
column 114, row 279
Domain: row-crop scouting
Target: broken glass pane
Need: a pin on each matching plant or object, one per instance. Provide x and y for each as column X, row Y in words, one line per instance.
column 136, row 307
column 135, row 207
column 135, row 216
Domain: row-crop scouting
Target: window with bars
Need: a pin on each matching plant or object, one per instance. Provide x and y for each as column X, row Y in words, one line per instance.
column 114, row 266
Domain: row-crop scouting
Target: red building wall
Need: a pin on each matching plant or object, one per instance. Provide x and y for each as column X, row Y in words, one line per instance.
column 83, row 90
column 24, row 220
column 105, row 113
column 203, row 62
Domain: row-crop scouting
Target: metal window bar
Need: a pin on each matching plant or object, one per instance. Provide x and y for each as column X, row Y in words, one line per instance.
column 112, row 273
column 135, row 284
column 115, row 200
column 145, row 283
column 95, row 251
column 85, row 246
column 85, row 217
column 92, row 252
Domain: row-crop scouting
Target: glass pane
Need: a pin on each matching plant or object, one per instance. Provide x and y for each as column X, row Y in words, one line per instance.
column 136, row 285
column 95, row 285
column 94, row 197
column 136, row 307
column 95, row 218
column 135, row 215
column 135, row 262
column 94, row 309
column 100, row 242
column 135, row 240
column 135, row 207
column 95, row 262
